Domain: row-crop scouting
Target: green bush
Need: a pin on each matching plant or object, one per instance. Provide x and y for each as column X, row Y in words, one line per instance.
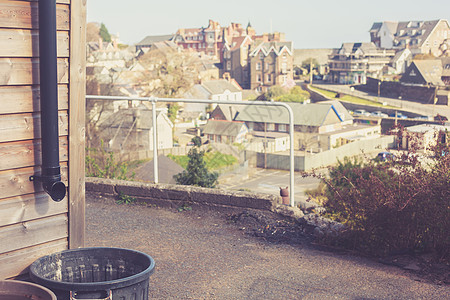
column 101, row 163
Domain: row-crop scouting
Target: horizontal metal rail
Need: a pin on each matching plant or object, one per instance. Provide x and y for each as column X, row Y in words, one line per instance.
column 154, row 100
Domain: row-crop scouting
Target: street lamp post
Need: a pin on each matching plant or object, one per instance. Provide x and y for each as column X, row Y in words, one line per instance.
column 379, row 87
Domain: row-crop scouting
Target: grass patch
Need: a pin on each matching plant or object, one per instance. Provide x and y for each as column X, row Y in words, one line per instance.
column 213, row 160
column 349, row 98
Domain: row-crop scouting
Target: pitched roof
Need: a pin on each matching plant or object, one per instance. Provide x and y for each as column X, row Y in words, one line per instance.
column 314, row 114
column 340, row 109
column 431, row 70
column 197, row 92
column 219, row 86
column 399, row 54
column 228, row 111
column 276, row 47
column 238, row 41
column 151, row 39
column 376, row 27
column 220, row 127
column 413, row 33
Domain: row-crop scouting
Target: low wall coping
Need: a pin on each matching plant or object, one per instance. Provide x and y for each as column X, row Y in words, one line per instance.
column 177, row 195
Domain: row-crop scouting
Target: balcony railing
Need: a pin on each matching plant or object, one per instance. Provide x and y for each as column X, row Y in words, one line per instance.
column 153, row 101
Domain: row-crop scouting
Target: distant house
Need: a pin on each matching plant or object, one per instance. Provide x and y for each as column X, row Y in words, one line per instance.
column 224, row 112
column 401, row 61
column 145, row 44
column 424, row 136
column 271, row 63
column 269, row 142
column 131, row 129
column 354, row 62
column 109, row 55
column 205, row 39
column 219, row 131
column 426, row 37
column 424, row 72
column 235, row 60
column 310, row 120
column 220, row 89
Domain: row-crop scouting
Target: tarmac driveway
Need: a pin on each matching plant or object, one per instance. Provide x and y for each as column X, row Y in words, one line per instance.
column 200, row 254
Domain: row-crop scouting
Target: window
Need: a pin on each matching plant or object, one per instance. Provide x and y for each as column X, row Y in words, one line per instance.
column 282, row 128
column 267, row 66
column 269, row 78
column 258, row 77
column 284, row 68
column 261, row 55
column 258, row 66
column 228, row 65
column 270, row 127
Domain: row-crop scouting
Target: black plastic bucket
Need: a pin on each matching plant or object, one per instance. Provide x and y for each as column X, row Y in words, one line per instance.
column 95, row 273
column 20, row 290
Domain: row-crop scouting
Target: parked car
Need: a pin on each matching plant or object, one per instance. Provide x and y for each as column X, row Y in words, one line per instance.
column 378, row 114
column 441, row 118
column 422, row 118
column 399, row 116
column 384, row 156
column 361, row 112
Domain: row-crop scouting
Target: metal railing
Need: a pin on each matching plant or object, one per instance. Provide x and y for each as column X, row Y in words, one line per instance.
column 154, row 100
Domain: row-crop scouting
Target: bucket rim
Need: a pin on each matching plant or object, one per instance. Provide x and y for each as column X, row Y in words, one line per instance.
column 30, row 284
column 99, row 285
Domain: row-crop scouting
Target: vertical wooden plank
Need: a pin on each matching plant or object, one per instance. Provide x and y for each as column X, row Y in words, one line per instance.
column 77, row 94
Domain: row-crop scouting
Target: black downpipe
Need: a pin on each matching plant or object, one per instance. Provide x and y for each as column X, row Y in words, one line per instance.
column 48, row 74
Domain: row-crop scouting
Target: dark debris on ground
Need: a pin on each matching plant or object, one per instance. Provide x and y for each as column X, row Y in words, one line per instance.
column 275, row 228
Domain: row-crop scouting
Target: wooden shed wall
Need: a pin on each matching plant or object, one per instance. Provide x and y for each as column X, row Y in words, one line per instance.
column 31, row 223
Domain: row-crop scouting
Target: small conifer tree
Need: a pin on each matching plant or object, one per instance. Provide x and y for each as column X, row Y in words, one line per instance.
column 196, row 172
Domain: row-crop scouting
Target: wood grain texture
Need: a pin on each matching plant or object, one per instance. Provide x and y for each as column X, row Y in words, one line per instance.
column 77, row 100
column 18, row 127
column 29, row 207
column 27, row 153
column 33, row 232
column 25, row 71
column 17, row 262
column 57, row 1
column 25, row 43
column 17, row 182
column 25, row 15
column 26, row 99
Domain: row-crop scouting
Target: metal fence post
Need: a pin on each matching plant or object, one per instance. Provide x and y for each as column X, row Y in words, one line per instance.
column 155, row 140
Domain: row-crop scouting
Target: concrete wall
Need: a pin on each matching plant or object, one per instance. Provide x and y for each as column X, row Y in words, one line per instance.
column 391, row 89
column 326, row 158
column 168, row 195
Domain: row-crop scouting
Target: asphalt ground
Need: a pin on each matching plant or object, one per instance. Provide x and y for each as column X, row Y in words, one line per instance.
column 268, row 181
column 202, row 254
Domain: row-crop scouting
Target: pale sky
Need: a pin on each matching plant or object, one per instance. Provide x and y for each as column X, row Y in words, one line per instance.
column 308, row 23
